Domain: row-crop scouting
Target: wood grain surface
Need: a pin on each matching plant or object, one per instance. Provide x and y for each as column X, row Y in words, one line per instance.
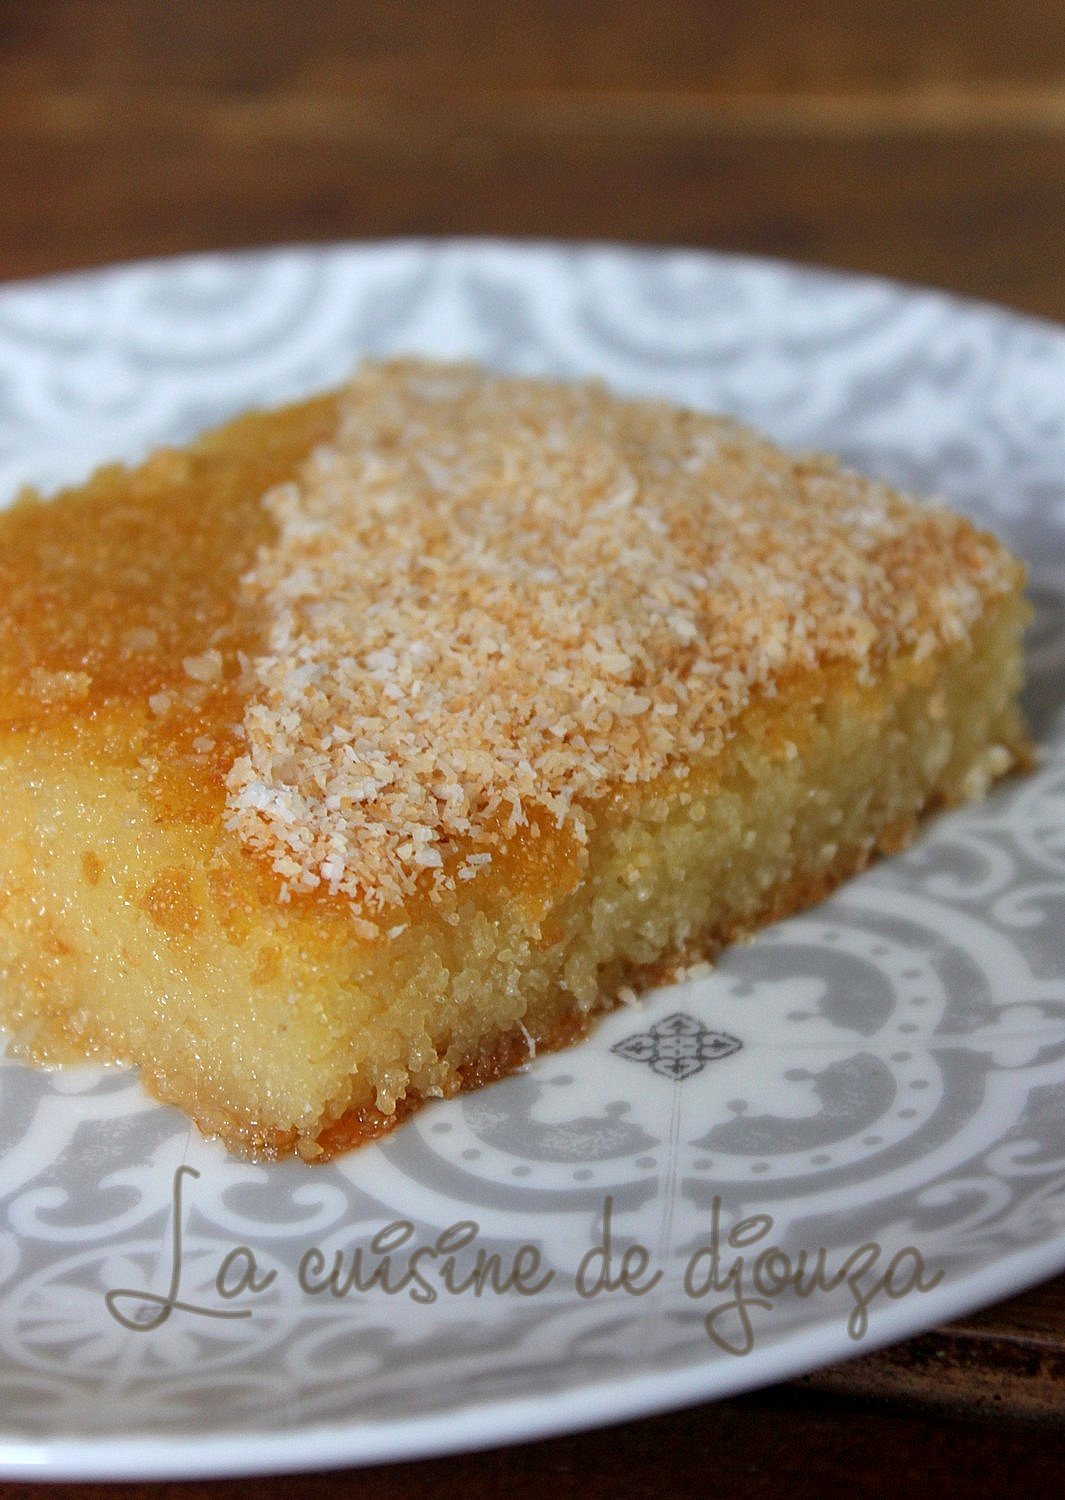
column 923, row 139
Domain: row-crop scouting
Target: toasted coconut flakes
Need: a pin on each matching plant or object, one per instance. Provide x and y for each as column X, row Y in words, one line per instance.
column 204, row 668
column 488, row 596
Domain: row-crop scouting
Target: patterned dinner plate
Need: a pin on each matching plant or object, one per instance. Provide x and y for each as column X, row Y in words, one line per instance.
column 850, row 1130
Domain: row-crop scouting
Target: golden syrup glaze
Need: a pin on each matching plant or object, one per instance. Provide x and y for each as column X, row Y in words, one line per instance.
column 110, row 588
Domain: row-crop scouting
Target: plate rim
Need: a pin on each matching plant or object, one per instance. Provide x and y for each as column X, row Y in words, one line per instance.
column 514, row 1420
column 818, row 270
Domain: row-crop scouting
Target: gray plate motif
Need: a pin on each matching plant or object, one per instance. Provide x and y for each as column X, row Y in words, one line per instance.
column 848, row 1131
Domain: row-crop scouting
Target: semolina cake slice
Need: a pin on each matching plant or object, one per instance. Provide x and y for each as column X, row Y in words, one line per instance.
column 362, row 748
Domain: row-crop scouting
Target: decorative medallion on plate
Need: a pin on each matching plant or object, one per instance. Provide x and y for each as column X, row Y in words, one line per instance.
column 677, row 1047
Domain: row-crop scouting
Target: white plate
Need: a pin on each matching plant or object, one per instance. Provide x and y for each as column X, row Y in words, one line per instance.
column 892, row 1072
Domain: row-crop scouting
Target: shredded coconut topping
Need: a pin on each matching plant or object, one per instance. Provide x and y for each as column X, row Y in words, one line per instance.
column 489, row 595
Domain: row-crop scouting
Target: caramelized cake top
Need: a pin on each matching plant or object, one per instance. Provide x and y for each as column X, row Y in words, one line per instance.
column 488, row 600
column 110, row 589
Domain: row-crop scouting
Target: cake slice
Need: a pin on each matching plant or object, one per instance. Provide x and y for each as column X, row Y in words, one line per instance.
column 365, row 747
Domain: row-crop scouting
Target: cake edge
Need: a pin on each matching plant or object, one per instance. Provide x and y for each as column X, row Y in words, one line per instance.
column 513, row 1051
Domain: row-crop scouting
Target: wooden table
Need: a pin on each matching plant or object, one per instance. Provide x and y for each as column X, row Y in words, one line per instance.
column 923, row 139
